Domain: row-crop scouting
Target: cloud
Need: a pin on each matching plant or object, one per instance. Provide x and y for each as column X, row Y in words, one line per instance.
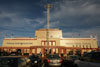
column 83, row 33
column 71, row 16
column 78, row 13
column 76, row 16
column 16, row 15
column 32, row 21
column 13, row 21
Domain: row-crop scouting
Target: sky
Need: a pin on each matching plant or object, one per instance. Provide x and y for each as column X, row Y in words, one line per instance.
column 22, row 18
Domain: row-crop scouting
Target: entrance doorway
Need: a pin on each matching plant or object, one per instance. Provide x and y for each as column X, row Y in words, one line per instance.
column 47, row 51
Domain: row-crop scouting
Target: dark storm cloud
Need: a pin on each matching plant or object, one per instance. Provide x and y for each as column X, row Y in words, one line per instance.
column 80, row 13
column 17, row 11
column 77, row 17
column 5, row 20
column 21, row 7
column 72, row 16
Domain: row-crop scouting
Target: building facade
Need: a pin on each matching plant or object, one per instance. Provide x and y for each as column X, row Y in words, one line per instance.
column 56, row 44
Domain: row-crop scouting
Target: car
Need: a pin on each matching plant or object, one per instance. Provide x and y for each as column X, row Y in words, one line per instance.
column 13, row 61
column 91, row 59
column 68, row 61
column 72, row 57
column 54, row 60
column 13, row 54
column 4, row 53
column 35, row 60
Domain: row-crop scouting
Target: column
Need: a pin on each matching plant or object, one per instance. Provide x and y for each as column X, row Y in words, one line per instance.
column 74, row 52
column 44, row 43
column 42, row 51
column 30, row 51
column 59, row 51
column 64, row 52
column 8, row 50
column 81, row 51
column 35, row 50
column 23, row 51
column 51, row 50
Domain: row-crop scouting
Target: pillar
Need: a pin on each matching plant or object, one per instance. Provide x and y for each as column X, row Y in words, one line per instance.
column 35, row 50
column 44, row 43
column 42, row 50
column 81, row 51
column 8, row 50
column 64, row 52
column 26, row 50
column 22, row 51
column 74, row 52
column 30, row 51
column 59, row 51
column 51, row 50
column 51, row 43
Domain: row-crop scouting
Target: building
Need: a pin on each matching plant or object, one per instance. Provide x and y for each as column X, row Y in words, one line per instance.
column 49, row 41
column 56, row 44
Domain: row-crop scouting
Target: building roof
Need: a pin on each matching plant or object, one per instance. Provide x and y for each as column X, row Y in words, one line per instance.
column 78, row 38
column 20, row 38
column 48, row 29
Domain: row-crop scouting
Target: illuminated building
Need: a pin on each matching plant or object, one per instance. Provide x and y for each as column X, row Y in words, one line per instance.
column 49, row 41
column 56, row 44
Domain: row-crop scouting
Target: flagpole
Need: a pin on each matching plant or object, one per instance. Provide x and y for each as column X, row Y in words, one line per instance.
column 79, row 35
column 5, row 35
column 97, row 40
column 48, row 6
column 12, row 35
column 72, row 35
column 0, row 34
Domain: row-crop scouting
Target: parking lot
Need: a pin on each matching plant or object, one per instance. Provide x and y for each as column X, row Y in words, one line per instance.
column 91, row 59
column 33, row 60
